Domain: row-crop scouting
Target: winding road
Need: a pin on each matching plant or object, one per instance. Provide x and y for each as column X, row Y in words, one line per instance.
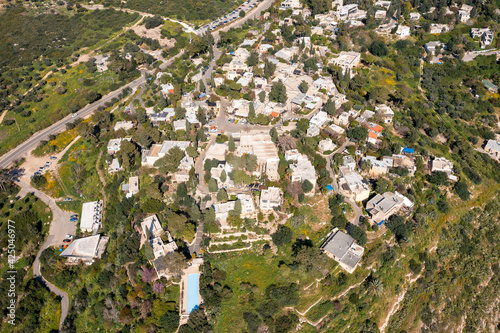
column 59, row 227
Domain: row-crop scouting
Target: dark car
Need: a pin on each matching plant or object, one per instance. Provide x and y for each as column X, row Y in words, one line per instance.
column 67, row 241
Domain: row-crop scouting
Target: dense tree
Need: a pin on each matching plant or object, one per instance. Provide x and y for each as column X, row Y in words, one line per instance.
column 358, row 234
column 303, row 86
column 170, row 162
column 329, row 107
column 357, row 133
column 282, row 236
column 278, row 92
column 462, row 191
column 307, row 186
column 378, row 48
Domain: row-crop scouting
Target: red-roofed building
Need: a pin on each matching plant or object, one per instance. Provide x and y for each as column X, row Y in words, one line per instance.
column 373, row 132
column 275, row 114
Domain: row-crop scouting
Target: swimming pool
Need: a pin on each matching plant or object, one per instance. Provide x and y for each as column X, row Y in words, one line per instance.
column 193, row 289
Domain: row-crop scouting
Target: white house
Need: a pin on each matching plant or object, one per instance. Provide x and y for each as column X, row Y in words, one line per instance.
column 270, row 198
column 403, row 31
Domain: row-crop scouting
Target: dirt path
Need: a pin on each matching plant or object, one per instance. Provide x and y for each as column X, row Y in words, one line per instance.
column 103, row 181
column 395, row 306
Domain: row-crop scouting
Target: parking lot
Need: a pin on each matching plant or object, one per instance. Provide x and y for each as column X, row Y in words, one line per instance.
column 234, row 15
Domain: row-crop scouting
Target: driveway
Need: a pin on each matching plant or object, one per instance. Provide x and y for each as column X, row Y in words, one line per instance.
column 59, row 227
column 358, row 212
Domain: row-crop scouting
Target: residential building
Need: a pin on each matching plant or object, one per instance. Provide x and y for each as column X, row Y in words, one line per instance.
column 114, row 166
column 86, row 249
column 290, row 4
column 443, row 165
column 377, row 167
column 154, row 233
column 313, row 131
column 464, row 13
column 405, row 162
column 217, row 172
column 337, row 129
column 374, row 131
column 126, row 125
column 91, row 217
column 347, row 60
column 161, row 117
column 259, row 144
column 303, row 170
column 157, row 151
column 385, row 113
column 182, row 173
column 217, row 151
column 342, row 248
column 415, row 16
column 222, row 210
column 380, row 14
column 270, row 198
column 383, row 3
column 352, row 182
column 439, row 28
column 309, row 101
column 365, row 116
column 403, row 31
column 485, row 34
column 115, row 144
column 180, row 125
column 132, row 187
column 349, row 162
column 492, row 147
column 319, row 119
column 326, row 145
column 247, row 205
column 292, row 155
column 381, row 207
column 431, row 47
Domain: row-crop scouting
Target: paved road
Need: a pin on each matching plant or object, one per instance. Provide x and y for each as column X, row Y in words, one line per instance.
column 60, row 126
column 59, row 227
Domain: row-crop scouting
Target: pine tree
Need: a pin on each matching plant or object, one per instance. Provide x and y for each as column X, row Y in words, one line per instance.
column 329, row 107
column 251, row 113
column 231, row 144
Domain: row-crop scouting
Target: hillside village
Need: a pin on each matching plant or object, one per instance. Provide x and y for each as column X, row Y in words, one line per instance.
column 293, row 130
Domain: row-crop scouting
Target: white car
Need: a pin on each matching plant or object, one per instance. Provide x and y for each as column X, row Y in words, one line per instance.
column 69, row 236
column 74, row 115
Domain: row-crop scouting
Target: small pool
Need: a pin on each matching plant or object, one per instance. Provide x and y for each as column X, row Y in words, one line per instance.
column 329, row 187
column 193, row 290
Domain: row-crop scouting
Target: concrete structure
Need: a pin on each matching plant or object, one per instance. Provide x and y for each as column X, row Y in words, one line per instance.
column 132, row 187
column 270, row 198
column 292, row 155
column 337, row 129
column 343, row 249
column 247, row 205
column 464, row 13
column 259, row 144
column 381, row 207
column 377, row 167
column 444, row 165
column 415, row 16
column 157, row 151
column 492, row 147
column 403, row 31
column 380, row 14
column 217, row 151
column 91, row 217
column 303, row 170
column 154, row 233
column 86, row 249
column 179, row 125
column 217, row 172
column 115, row 144
column 326, row 145
column 126, row 125
column 349, row 162
column 347, row 60
column 114, row 166
column 290, row 4
column 385, row 113
column 353, row 183
column 431, row 47
column 439, row 28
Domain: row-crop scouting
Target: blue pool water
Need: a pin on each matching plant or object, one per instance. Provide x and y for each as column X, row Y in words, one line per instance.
column 193, row 288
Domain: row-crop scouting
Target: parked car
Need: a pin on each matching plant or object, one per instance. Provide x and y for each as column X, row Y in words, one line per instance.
column 67, row 241
column 74, row 216
column 53, row 158
column 68, row 236
column 67, row 199
column 74, row 115
column 73, row 220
